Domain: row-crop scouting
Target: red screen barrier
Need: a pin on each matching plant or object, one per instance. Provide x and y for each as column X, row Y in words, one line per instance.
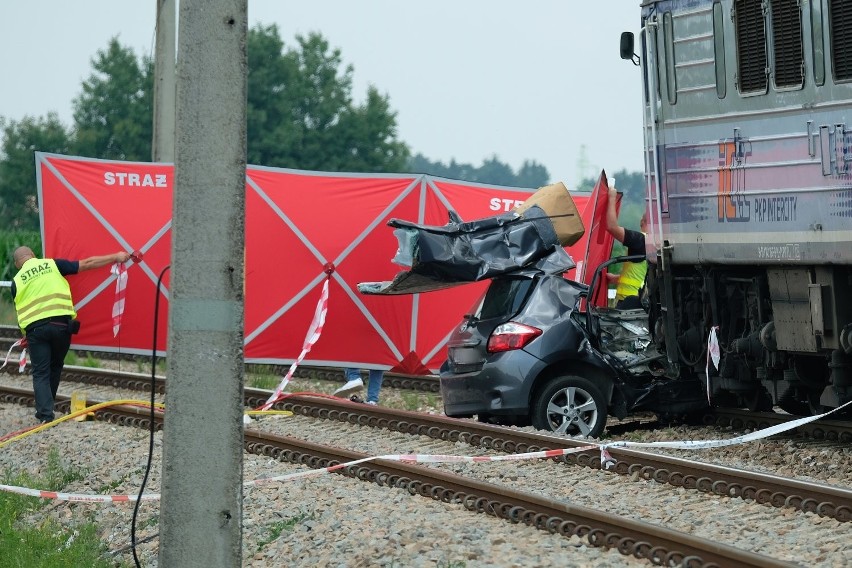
column 297, row 223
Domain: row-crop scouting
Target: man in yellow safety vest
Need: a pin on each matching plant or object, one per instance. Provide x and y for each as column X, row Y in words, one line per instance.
column 46, row 314
column 632, row 276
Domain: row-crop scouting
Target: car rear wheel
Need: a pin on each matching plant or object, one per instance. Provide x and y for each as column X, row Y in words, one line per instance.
column 570, row 405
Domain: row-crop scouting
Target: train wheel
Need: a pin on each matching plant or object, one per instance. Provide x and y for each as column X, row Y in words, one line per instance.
column 802, row 401
column 759, row 400
column 814, row 404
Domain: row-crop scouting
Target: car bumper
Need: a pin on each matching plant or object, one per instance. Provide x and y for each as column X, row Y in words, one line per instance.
column 492, row 390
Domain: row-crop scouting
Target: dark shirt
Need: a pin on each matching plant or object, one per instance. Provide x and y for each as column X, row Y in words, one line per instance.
column 65, row 267
column 634, row 241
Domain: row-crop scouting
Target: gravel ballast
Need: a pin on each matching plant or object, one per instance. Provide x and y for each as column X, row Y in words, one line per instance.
column 331, row 520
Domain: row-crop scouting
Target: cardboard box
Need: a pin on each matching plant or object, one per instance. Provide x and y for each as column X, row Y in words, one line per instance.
column 555, row 200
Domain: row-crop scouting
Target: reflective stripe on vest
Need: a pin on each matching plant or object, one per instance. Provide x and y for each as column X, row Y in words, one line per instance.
column 42, row 292
column 631, row 279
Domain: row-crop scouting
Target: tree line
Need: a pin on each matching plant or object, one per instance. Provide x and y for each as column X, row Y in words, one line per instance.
column 300, row 114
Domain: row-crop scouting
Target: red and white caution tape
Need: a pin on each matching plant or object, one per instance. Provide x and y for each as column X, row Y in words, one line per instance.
column 426, row 458
column 76, row 497
column 405, row 458
column 120, row 272
column 705, row 444
column 606, row 460
column 22, row 360
column 313, row 335
column 713, row 354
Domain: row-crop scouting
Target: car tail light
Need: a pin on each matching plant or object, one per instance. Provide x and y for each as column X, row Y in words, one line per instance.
column 510, row 336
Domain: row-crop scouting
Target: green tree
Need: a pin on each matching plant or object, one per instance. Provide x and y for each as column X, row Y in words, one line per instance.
column 532, row 174
column 18, row 201
column 113, row 115
column 369, row 138
column 496, row 171
column 301, row 113
column 271, row 114
column 492, row 170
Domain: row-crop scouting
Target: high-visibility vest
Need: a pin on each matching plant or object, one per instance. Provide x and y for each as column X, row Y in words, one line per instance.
column 41, row 292
column 631, row 279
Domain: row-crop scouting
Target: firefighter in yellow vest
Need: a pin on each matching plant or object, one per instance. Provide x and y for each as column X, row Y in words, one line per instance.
column 632, row 276
column 45, row 314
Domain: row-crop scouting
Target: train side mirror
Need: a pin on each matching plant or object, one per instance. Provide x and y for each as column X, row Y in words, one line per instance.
column 626, row 48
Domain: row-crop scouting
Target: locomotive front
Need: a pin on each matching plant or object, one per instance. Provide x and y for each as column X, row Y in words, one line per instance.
column 748, row 145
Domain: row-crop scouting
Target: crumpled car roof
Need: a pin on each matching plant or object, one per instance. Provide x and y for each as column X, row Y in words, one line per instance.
column 461, row 252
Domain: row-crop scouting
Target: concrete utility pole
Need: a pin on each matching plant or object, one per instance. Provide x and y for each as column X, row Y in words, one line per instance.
column 202, row 493
column 163, row 143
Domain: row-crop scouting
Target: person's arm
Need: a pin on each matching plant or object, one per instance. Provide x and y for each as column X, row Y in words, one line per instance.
column 612, row 226
column 634, row 241
column 99, row 261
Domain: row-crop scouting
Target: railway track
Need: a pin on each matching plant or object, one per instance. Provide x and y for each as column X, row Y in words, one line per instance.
column 423, row 383
column 827, row 429
column 824, row 500
column 657, row 544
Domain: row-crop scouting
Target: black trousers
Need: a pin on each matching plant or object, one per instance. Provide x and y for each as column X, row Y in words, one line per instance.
column 629, row 303
column 48, row 344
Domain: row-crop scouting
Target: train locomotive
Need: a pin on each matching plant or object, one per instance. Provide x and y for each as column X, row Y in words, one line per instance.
column 748, row 165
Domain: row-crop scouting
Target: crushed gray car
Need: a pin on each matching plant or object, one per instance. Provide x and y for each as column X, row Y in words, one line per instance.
column 531, row 351
column 528, row 354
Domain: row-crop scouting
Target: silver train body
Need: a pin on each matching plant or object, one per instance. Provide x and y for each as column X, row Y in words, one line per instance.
column 748, row 153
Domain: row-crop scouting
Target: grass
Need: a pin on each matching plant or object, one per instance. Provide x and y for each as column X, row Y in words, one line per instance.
column 411, row 400
column 275, row 529
column 152, row 521
column 115, row 483
column 91, row 362
column 432, row 400
column 262, row 377
column 262, row 381
column 71, row 358
column 143, row 365
column 7, row 309
column 46, row 544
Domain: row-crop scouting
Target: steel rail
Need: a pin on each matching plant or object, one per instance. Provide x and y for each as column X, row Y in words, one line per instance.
column 825, row 429
column 824, row 500
column 658, row 544
column 425, row 383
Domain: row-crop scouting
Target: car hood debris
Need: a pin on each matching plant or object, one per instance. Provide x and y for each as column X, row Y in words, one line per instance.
column 438, row 257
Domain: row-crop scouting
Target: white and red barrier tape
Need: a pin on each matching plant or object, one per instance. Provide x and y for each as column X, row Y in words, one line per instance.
column 22, row 360
column 405, row 458
column 606, row 460
column 76, row 497
column 706, row 444
column 713, row 354
column 120, row 272
column 314, row 332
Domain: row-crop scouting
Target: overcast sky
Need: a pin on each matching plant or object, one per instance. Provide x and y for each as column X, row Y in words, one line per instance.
column 468, row 79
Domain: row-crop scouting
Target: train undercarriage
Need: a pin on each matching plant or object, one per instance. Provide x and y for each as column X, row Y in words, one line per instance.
column 784, row 332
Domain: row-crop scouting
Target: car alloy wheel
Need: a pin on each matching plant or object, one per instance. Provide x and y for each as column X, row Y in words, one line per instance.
column 570, row 405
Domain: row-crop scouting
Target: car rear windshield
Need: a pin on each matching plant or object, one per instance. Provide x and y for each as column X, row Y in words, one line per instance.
column 505, row 297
